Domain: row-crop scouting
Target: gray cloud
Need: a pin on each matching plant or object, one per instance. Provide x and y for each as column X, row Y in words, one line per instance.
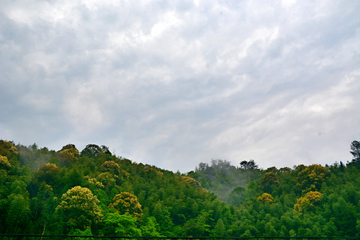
column 175, row 83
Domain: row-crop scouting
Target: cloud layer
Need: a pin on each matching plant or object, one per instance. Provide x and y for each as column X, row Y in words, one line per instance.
column 176, row 83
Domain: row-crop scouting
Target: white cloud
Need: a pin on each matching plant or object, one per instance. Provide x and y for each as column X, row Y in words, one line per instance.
column 176, row 83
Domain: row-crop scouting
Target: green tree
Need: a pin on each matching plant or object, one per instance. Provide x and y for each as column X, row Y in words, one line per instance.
column 270, row 230
column 91, row 150
column 18, row 213
column 355, row 150
column 18, row 203
column 120, row 225
column 150, row 228
column 330, row 230
column 248, row 165
column 219, row 229
column 345, row 215
column 163, row 217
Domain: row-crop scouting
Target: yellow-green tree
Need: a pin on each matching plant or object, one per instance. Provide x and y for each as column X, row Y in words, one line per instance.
column 6, row 148
column 47, row 172
column 272, row 169
column 4, row 163
column 94, row 182
column 79, row 208
column 126, row 202
column 308, row 202
column 285, row 170
column 191, row 181
column 265, row 198
column 311, row 178
column 269, row 180
column 107, row 179
column 110, row 166
column 67, row 155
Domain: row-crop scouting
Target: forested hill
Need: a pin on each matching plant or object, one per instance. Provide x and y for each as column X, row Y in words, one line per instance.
column 228, row 182
column 94, row 192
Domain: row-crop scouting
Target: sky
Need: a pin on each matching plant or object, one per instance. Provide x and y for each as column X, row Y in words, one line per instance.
column 176, row 83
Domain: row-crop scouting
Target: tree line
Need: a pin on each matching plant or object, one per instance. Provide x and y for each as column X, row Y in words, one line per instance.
column 94, row 192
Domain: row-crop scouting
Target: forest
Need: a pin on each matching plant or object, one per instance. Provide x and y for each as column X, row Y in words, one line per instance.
column 93, row 192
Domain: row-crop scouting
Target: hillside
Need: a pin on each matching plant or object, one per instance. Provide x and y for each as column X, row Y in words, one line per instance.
column 94, row 192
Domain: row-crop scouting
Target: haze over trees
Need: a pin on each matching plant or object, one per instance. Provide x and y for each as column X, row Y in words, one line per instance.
column 93, row 192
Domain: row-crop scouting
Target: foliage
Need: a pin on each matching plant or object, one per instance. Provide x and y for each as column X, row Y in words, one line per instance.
column 80, row 208
column 265, row 198
column 270, row 179
column 221, row 178
column 126, row 202
column 308, row 202
column 67, row 155
column 91, row 150
column 191, row 181
column 248, row 165
column 7, row 148
column 110, row 166
column 94, row 182
column 120, row 225
column 47, row 172
column 355, row 150
column 311, row 178
column 96, row 193
column 236, row 196
column 4, row 163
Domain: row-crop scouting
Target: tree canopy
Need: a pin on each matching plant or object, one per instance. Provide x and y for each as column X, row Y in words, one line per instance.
column 96, row 193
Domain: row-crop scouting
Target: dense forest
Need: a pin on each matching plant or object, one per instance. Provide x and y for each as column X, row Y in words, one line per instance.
column 94, row 192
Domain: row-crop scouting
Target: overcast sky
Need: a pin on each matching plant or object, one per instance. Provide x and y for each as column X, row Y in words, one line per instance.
column 176, row 83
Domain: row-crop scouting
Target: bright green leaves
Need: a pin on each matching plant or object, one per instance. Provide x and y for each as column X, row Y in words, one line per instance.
column 120, row 225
